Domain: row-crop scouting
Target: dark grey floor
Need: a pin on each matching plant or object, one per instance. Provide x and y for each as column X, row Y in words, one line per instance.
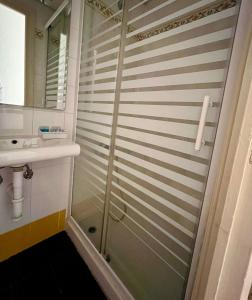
column 51, row 269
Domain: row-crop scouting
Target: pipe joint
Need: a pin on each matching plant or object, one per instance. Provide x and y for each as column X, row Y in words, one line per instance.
column 28, row 173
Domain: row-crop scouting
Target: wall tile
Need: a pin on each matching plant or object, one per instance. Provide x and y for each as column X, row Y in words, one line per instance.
column 70, row 99
column 62, row 220
column 50, row 189
column 14, row 242
column 72, row 72
column 51, row 162
column 48, row 118
column 44, row 228
column 26, row 236
column 6, row 192
column 69, row 121
column 15, row 121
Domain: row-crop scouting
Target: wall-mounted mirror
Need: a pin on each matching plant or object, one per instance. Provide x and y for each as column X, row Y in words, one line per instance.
column 34, row 37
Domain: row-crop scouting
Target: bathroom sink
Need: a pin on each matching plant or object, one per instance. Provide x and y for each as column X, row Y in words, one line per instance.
column 27, row 149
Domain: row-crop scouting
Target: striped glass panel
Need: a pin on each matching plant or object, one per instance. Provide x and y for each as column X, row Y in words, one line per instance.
column 139, row 184
column 176, row 53
column 97, row 84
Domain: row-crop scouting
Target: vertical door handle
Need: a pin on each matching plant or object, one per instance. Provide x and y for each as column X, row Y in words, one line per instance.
column 202, row 122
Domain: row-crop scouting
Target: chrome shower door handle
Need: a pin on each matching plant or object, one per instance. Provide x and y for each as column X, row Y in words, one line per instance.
column 202, row 122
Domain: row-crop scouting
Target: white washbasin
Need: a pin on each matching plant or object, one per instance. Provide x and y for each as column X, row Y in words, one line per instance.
column 27, row 149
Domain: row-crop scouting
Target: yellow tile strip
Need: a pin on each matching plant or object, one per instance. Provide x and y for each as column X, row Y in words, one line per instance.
column 17, row 240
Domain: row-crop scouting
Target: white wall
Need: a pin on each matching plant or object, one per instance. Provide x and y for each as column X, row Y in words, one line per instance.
column 239, row 251
column 49, row 189
column 225, row 253
column 233, row 250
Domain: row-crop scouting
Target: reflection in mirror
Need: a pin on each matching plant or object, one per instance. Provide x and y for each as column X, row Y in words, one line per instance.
column 57, row 61
column 34, row 38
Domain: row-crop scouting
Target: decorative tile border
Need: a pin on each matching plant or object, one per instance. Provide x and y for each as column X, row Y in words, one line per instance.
column 106, row 11
column 210, row 10
column 103, row 9
column 39, row 33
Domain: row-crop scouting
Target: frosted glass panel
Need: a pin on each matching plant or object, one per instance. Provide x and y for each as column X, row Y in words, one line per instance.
column 139, row 183
column 95, row 113
column 176, row 53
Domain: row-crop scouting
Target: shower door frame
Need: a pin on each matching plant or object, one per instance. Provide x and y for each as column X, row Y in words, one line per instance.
column 223, row 134
column 119, row 72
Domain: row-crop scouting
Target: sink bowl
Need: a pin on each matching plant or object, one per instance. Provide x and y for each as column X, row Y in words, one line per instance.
column 10, row 143
column 27, row 149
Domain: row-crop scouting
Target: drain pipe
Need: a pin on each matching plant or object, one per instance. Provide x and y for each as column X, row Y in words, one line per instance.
column 18, row 198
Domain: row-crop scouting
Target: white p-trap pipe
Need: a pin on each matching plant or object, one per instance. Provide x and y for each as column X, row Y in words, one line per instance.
column 18, row 199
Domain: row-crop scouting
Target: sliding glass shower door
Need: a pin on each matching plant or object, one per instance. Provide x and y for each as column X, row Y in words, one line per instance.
column 152, row 76
column 97, row 86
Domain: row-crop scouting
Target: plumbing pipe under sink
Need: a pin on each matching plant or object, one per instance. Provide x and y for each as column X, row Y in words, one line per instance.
column 18, row 198
column 18, row 152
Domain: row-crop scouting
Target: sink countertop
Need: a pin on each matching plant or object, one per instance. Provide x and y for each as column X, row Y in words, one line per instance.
column 31, row 149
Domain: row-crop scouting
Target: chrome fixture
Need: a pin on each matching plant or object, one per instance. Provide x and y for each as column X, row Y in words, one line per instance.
column 28, row 173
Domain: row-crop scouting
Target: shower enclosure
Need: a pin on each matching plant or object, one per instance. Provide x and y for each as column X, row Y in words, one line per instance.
column 151, row 83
